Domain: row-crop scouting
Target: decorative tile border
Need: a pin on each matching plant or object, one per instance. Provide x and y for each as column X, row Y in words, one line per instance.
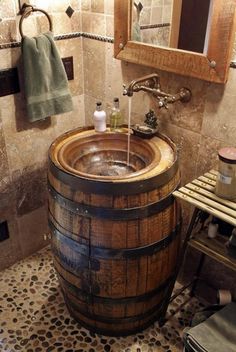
column 85, row 35
column 157, row 25
column 65, row 36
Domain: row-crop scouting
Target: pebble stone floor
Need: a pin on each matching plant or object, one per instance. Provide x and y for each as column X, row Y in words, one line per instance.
column 34, row 318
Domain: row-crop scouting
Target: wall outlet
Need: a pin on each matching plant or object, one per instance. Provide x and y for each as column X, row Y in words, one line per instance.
column 4, row 232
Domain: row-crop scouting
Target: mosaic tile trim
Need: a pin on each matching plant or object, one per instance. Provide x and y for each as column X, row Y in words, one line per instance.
column 34, row 318
column 158, row 25
column 90, row 36
column 65, row 36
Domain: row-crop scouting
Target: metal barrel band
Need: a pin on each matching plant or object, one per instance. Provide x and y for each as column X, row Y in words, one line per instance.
column 109, row 187
column 54, row 224
column 80, row 264
column 111, row 213
column 117, row 332
column 118, row 320
column 113, row 301
column 109, row 253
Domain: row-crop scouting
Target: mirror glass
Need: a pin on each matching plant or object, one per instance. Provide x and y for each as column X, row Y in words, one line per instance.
column 181, row 24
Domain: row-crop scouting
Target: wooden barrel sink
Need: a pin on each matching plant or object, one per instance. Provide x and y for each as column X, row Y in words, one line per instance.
column 115, row 227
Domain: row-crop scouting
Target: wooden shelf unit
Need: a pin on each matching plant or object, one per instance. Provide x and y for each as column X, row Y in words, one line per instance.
column 200, row 194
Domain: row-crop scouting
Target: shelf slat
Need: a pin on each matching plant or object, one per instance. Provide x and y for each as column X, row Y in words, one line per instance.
column 205, row 207
column 211, row 199
column 214, row 248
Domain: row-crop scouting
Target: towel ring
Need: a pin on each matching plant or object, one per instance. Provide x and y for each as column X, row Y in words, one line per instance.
column 26, row 10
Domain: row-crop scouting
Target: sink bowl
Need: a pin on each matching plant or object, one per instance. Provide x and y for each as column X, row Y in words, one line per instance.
column 104, row 155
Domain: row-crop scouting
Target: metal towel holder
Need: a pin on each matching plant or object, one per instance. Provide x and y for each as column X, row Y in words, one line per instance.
column 26, row 10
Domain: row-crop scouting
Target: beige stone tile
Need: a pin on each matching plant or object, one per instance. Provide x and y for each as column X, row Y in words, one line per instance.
column 94, row 23
column 70, row 120
column 61, row 23
column 166, row 14
column 26, row 143
column 89, row 106
column 94, row 68
column 208, row 154
column 32, row 228
column 188, row 144
column 73, row 47
column 76, row 22
column 5, row 58
column 109, row 7
column 145, row 16
column 219, row 115
column 4, row 170
column 29, row 26
column 146, row 3
column 187, row 115
column 59, row 6
column 114, row 77
column 8, row 31
column 110, row 26
column 41, row 4
column 86, row 5
column 97, row 6
column 7, row 8
column 75, row 4
column 156, row 15
column 30, row 184
column 43, row 24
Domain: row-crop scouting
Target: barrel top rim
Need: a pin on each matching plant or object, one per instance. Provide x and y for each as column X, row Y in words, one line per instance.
column 147, row 172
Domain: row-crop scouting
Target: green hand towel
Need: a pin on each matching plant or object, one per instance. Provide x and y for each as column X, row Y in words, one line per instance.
column 45, row 80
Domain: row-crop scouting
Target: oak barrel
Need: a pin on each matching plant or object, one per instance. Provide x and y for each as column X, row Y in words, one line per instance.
column 115, row 228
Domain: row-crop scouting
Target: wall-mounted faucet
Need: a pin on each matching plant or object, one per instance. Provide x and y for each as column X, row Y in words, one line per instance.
column 151, row 84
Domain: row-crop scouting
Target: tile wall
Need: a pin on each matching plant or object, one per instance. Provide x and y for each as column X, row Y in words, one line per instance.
column 24, row 146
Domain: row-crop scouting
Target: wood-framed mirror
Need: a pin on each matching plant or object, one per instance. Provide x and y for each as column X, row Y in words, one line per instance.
column 211, row 65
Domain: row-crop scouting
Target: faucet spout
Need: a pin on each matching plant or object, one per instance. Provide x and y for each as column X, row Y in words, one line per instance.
column 144, row 83
column 151, row 84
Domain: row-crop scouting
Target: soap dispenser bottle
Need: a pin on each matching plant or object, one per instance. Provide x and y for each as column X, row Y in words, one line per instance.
column 99, row 118
column 115, row 116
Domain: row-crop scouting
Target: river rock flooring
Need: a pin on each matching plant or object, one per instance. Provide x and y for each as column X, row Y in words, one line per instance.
column 34, row 318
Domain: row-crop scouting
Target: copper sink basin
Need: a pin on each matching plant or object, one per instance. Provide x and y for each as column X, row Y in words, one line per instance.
column 104, row 155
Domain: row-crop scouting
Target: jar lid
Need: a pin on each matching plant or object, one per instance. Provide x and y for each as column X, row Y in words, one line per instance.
column 228, row 155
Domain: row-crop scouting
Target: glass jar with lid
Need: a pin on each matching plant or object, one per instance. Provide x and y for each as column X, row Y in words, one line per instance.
column 226, row 179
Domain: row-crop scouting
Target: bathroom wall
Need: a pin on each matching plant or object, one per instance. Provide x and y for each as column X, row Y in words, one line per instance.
column 155, row 13
column 24, row 146
column 199, row 128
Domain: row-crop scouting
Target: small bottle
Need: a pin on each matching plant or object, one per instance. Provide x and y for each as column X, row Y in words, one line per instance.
column 99, row 118
column 212, row 228
column 115, row 116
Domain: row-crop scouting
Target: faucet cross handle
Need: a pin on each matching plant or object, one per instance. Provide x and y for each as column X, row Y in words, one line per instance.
column 163, row 103
column 125, row 91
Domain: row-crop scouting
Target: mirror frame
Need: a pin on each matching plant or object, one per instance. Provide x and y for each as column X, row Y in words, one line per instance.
column 212, row 66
